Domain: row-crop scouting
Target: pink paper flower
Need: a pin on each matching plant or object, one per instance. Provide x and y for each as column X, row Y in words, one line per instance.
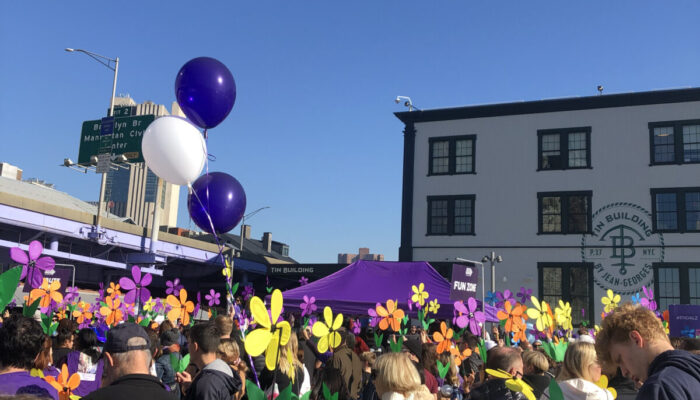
column 32, row 264
column 469, row 316
column 136, row 287
column 173, row 287
column 213, row 298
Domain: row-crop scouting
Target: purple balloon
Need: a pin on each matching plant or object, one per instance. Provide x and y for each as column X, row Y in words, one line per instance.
column 205, row 91
column 222, row 198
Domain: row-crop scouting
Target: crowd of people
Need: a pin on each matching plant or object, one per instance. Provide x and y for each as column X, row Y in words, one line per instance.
column 631, row 354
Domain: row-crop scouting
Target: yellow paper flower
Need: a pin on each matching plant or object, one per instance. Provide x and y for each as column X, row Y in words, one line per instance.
column 514, row 384
column 541, row 313
column 563, row 315
column 419, row 295
column 433, row 306
column 326, row 330
column 603, row 383
column 46, row 293
column 227, row 271
column 148, row 305
column 271, row 334
column 610, row 301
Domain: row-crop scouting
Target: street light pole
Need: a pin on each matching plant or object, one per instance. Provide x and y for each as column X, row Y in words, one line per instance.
column 243, row 223
column 106, row 62
column 493, row 259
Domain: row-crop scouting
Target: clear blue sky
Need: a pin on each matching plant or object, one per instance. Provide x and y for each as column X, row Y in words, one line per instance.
column 312, row 134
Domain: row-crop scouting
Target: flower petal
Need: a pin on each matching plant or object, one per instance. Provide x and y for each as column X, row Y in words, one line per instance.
column 45, row 263
column 286, row 332
column 130, row 297
column 276, row 304
column 256, row 341
column 272, row 351
column 328, row 316
column 471, row 304
column 127, row 284
column 146, row 280
column 323, row 344
column 381, row 311
column 259, row 312
column 319, row 329
column 337, row 323
column 19, row 256
column 334, row 339
column 35, row 249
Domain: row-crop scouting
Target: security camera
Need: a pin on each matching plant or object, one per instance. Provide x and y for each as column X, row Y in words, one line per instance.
column 67, row 162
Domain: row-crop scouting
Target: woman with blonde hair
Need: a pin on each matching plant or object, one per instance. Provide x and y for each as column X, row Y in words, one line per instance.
column 290, row 371
column 397, row 379
column 229, row 352
column 580, row 372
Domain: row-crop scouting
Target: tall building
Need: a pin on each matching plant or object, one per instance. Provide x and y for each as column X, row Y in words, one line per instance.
column 132, row 191
column 362, row 254
column 577, row 195
column 8, row 170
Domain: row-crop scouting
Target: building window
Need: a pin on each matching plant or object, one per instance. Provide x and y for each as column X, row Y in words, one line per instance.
column 675, row 142
column 676, row 209
column 452, row 155
column 451, row 215
column 564, row 212
column 676, row 283
column 572, row 282
column 568, row 148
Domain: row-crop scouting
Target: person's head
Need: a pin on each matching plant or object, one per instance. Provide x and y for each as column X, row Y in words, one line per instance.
column 203, row 342
column 537, row 345
column 413, row 330
column 65, row 333
column 525, row 345
column 413, row 347
column 86, row 342
column 127, row 351
column 534, row 363
column 156, row 347
column 229, row 352
column 630, row 338
column 343, row 336
column 505, row 358
column 395, row 372
column 580, row 361
column 369, row 358
column 44, row 358
column 429, row 357
column 21, row 341
column 169, row 338
column 225, row 325
column 165, row 326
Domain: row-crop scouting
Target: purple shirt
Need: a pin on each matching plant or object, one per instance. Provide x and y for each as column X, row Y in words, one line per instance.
column 23, row 383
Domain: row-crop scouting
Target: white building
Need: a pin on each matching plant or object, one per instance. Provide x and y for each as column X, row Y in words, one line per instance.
column 578, row 195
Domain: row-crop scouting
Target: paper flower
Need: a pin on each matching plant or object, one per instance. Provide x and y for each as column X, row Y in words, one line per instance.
column 308, row 307
column 541, row 313
column 374, row 318
column 443, row 338
column 603, row 384
column 181, row 308
column 82, row 314
column 303, row 281
column 459, row 357
column 419, row 294
column 268, row 337
column 356, row 328
column 504, row 296
column 433, row 306
column 112, row 312
column 113, row 289
column 491, row 298
column 513, row 316
column 610, row 301
column 64, row 384
column 137, row 286
column 688, row 332
column 648, row 302
column 173, row 287
column 71, row 294
column 470, row 316
column 227, row 271
column 635, row 298
column 248, row 292
column 47, row 292
column 326, row 330
column 512, row 383
column 32, row 264
column 563, row 315
column 524, row 294
column 391, row 316
column 149, row 304
column 213, row 298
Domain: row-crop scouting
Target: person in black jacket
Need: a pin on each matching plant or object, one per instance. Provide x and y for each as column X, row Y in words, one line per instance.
column 127, row 363
column 507, row 359
column 215, row 380
column 633, row 338
column 535, row 366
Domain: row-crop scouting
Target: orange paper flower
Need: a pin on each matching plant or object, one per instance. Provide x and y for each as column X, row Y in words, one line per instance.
column 82, row 313
column 113, row 289
column 459, row 357
column 513, row 315
column 391, row 316
column 443, row 338
column 64, row 384
column 46, row 293
column 112, row 312
column 181, row 308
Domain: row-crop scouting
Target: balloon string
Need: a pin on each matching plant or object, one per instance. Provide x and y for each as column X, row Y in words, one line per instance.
column 211, row 225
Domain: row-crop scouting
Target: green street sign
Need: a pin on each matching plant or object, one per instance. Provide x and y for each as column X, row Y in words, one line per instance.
column 123, row 111
column 126, row 139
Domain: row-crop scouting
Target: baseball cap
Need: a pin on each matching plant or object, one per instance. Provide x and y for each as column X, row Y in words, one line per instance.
column 412, row 343
column 169, row 338
column 118, row 337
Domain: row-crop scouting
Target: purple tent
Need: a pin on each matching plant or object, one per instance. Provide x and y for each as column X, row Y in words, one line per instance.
column 359, row 286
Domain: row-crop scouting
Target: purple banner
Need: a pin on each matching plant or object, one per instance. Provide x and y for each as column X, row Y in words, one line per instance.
column 684, row 320
column 62, row 274
column 465, row 280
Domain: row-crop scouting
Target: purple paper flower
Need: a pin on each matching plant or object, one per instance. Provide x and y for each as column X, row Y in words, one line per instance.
column 248, row 292
column 71, row 294
column 158, row 307
column 100, row 292
column 410, row 304
column 312, row 321
column 303, row 281
column 356, row 328
column 173, row 287
column 504, row 296
column 524, row 294
column 374, row 318
column 469, row 316
column 137, row 287
column 213, row 298
column 308, row 306
column 649, row 301
column 32, row 265
column 198, row 305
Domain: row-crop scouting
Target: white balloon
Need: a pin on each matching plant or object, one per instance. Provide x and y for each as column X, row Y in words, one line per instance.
column 174, row 149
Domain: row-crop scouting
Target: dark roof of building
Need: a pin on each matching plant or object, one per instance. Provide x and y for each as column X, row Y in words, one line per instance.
column 252, row 248
column 552, row 105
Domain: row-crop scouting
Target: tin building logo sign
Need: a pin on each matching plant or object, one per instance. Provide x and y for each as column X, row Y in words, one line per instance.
column 622, row 248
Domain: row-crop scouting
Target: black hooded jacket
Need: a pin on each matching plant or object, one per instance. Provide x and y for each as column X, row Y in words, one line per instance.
column 214, row 382
column 494, row 389
column 673, row 375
